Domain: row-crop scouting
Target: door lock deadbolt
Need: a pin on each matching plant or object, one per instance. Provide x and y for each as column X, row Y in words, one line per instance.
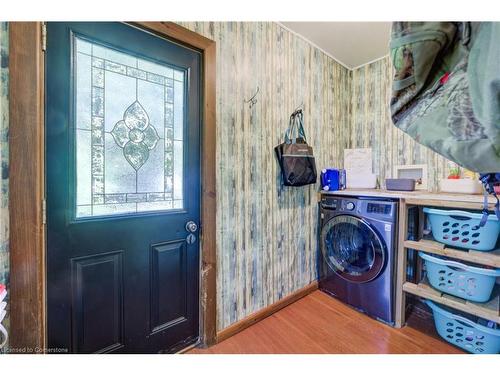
column 191, row 238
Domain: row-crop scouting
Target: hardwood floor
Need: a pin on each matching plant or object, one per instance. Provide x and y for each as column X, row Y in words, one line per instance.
column 320, row 324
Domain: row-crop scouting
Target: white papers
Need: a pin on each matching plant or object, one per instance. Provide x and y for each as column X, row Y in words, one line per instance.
column 358, row 160
column 358, row 166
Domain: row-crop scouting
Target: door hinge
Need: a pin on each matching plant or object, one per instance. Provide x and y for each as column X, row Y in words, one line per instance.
column 44, row 212
column 44, row 36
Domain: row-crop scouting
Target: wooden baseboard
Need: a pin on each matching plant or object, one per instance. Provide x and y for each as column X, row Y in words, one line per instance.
column 265, row 312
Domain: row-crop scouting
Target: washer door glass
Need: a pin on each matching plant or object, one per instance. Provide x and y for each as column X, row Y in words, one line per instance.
column 352, row 248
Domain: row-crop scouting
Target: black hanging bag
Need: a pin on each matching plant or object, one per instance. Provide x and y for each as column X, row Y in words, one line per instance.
column 295, row 156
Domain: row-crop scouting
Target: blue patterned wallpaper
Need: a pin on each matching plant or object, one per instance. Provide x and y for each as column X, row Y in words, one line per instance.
column 371, row 126
column 266, row 233
column 4, row 155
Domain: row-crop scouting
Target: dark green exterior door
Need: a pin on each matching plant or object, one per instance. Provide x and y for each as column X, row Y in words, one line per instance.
column 122, row 182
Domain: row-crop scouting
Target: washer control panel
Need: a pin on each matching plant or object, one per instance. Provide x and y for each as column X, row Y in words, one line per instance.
column 379, row 209
column 330, row 203
column 350, row 206
column 336, row 204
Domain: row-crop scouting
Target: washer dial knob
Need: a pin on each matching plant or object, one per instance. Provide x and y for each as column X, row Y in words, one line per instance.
column 350, row 206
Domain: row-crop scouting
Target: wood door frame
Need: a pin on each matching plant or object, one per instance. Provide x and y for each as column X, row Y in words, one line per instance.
column 27, row 180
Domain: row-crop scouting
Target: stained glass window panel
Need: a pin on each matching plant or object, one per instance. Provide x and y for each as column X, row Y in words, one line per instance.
column 84, row 94
column 129, row 127
column 178, row 110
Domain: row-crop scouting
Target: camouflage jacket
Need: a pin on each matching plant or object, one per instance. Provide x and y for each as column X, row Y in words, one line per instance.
column 446, row 89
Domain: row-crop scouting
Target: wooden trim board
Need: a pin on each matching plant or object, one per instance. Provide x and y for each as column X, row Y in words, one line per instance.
column 265, row 312
column 401, row 256
column 27, row 233
column 26, row 186
column 209, row 202
column 471, row 201
column 458, row 204
column 177, row 33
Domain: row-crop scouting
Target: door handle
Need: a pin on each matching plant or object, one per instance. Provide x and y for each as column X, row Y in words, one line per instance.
column 191, row 227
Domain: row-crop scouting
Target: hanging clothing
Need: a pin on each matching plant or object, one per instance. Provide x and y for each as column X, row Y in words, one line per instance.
column 446, row 89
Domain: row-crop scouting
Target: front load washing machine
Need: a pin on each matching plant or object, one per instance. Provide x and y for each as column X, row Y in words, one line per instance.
column 358, row 252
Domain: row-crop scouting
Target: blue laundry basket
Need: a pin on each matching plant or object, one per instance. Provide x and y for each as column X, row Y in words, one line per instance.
column 464, row 333
column 468, row 282
column 461, row 229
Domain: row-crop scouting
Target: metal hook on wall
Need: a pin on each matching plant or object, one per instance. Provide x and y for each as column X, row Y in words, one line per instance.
column 253, row 100
column 298, row 109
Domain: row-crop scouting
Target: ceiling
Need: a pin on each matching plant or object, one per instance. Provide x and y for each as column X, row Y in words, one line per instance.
column 350, row 43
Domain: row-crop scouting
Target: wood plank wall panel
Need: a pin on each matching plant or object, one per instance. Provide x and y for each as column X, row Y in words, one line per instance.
column 266, row 234
column 371, row 126
column 4, row 157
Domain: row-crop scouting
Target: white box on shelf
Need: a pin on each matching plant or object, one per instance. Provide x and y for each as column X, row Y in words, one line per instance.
column 461, row 186
column 361, row 181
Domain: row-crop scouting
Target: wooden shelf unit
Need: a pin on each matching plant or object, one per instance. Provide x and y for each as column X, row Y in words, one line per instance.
column 487, row 258
column 489, row 310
